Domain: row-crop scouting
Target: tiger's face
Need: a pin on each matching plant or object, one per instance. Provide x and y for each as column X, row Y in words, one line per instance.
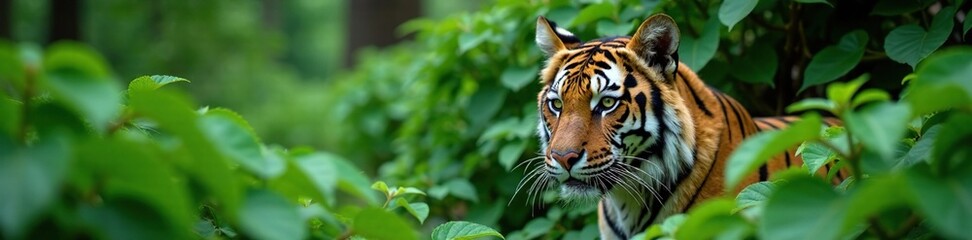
column 604, row 104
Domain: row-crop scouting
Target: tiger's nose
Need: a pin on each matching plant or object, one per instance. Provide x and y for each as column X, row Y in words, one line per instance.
column 566, row 158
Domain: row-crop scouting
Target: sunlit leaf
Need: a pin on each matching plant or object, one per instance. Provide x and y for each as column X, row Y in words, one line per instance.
column 376, row 223
column 879, row 127
column 235, row 139
column 460, row 230
column 419, row 210
column 759, row 148
column 815, row 156
column 942, row 82
column 713, row 219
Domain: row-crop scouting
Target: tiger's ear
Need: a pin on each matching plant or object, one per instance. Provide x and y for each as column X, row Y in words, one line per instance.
column 656, row 42
column 552, row 39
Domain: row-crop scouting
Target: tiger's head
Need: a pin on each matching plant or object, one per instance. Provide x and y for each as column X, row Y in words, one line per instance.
column 611, row 120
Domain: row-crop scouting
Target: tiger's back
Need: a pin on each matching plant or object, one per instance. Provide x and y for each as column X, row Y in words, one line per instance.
column 623, row 122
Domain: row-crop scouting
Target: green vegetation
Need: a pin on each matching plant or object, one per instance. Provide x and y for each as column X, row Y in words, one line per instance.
column 443, row 121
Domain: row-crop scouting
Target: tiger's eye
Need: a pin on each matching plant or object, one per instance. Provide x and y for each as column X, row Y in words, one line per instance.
column 608, row 102
column 558, row 104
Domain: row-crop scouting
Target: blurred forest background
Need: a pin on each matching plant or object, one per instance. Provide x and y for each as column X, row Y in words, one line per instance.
column 251, row 56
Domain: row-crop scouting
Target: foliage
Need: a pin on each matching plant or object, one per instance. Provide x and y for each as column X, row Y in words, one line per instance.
column 454, row 113
column 83, row 159
column 458, row 103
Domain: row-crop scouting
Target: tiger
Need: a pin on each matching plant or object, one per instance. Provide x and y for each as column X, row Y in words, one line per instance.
column 625, row 125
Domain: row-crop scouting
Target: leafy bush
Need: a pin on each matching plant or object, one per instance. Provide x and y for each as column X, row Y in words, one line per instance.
column 82, row 158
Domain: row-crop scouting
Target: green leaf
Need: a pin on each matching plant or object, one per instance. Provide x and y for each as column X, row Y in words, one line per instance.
column 408, row 190
column 484, row 104
column 758, row 65
column 874, row 196
column 537, row 227
column 320, row 171
column 127, row 220
column 128, row 173
column 696, row 52
column 879, row 127
column 898, row 7
column 945, row 201
column 967, row 24
column 11, row 110
column 419, row 210
column 462, row 188
column 811, row 104
column 376, row 223
column 148, row 83
column 515, row 77
column 942, row 82
column 840, row 93
column 510, row 153
column 815, row 156
column 835, row 61
column 816, row 1
column 712, row 219
column 870, row 95
column 11, row 68
column 754, row 197
column 206, row 167
column 911, row 43
column 731, row 12
column 592, row 13
column 325, row 168
column 757, row 149
column 266, row 215
column 922, row 149
column 803, row 208
column 606, row 27
column 460, row 230
column 298, row 182
column 30, row 179
column 235, row 139
column 78, row 77
column 381, row 187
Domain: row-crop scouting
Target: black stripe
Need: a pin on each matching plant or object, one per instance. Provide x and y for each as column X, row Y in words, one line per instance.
column 698, row 101
column 739, row 121
column 768, row 123
column 784, row 120
column 725, row 114
column 764, row 172
column 610, row 222
column 787, row 154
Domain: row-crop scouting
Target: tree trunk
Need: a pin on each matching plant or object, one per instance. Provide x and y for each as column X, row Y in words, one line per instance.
column 373, row 23
column 64, row 20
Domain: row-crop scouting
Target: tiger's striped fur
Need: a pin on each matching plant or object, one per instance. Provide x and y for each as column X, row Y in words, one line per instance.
column 625, row 124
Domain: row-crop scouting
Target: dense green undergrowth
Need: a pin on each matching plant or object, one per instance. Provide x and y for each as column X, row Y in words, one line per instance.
column 449, row 115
